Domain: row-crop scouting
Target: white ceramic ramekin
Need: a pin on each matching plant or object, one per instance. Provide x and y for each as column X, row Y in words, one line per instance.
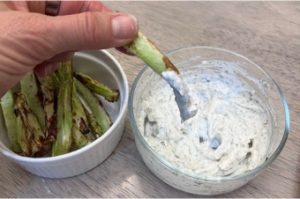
column 102, row 66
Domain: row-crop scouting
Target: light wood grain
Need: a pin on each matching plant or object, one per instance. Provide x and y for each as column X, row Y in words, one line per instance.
column 266, row 32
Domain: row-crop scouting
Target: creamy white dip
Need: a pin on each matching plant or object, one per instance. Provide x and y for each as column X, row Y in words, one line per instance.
column 185, row 103
column 228, row 135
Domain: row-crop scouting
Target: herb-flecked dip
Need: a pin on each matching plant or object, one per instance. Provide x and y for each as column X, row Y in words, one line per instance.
column 228, row 136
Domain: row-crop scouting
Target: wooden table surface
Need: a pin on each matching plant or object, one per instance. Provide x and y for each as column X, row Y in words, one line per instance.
column 266, row 32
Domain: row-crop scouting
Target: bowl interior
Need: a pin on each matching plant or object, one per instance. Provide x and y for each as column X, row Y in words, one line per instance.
column 101, row 66
column 215, row 60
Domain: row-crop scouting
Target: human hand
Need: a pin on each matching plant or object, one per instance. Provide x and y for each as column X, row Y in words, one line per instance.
column 29, row 38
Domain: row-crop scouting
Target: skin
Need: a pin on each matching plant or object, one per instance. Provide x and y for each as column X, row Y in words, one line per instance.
column 31, row 40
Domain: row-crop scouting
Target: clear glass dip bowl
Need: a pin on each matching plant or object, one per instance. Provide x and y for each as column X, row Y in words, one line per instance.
column 269, row 92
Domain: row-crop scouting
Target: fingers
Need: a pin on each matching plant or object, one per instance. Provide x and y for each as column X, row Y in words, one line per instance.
column 35, row 38
column 110, row 34
column 35, row 6
column 93, row 30
column 52, row 64
column 67, row 8
column 17, row 5
column 73, row 7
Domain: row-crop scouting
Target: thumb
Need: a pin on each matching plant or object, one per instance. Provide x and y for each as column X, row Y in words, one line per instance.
column 93, row 30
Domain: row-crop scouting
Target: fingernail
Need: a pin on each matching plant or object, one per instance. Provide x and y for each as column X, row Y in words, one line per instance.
column 124, row 26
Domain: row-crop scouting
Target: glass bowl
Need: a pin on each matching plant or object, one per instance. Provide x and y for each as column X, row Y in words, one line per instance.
column 222, row 60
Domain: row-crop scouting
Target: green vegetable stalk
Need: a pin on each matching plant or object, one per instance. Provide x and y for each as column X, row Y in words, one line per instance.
column 93, row 102
column 8, row 108
column 80, row 123
column 97, row 87
column 56, row 82
column 50, row 112
column 47, row 86
column 22, row 137
column 78, row 112
column 64, row 72
column 143, row 48
column 63, row 140
column 79, row 140
column 30, row 89
column 94, row 125
column 34, row 133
